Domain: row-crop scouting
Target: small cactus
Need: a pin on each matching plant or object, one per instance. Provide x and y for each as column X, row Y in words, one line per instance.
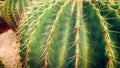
column 66, row 33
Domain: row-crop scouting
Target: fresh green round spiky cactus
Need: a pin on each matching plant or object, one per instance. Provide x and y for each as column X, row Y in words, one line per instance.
column 68, row 33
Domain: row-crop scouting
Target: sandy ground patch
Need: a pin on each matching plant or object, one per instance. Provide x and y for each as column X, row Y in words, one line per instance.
column 9, row 50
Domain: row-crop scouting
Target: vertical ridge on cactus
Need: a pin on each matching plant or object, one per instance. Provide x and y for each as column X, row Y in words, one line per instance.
column 10, row 12
column 51, row 33
column 14, row 11
column 77, row 27
column 44, row 44
column 110, row 51
column 25, row 34
column 95, row 37
column 3, row 25
column 6, row 13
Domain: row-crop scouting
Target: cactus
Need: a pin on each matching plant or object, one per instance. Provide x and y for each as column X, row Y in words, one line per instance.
column 3, row 24
column 11, row 12
column 66, row 33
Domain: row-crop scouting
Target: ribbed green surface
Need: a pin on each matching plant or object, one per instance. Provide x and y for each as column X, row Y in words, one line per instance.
column 71, row 34
column 7, row 14
column 67, row 33
column 59, row 39
column 112, row 20
column 28, row 27
column 12, row 12
column 96, row 45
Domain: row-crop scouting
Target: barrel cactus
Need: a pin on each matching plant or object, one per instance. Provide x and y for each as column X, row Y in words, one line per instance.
column 66, row 33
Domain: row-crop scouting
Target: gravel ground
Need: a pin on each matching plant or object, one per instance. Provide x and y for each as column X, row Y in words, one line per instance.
column 9, row 50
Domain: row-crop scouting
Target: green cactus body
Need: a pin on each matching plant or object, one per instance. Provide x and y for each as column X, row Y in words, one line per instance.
column 11, row 12
column 96, row 42
column 62, row 37
column 27, row 32
column 21, row 7
column 111, row 17
column 3, row 25
column 14, row 11
column 7, row 14
column 51, row 11
column 66, row 33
